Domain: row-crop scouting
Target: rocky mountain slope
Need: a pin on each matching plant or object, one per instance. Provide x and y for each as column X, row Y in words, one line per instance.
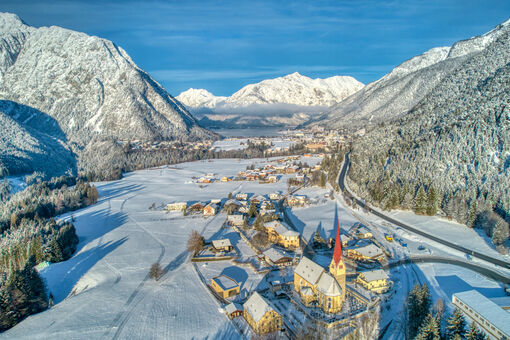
column 89, row 86
column 455, row 143
column 288, row 100
column 407, row 84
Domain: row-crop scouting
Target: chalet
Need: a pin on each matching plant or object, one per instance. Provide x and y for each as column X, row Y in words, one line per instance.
column 237, row 220
column 376, row 281
column 260, row 315
column 274, row 257
column 234, row 310
column 226, row 179
column 225, row 286
column 216, row 201
column 296, row 200
column 366, row 253
column 210, row 210
column 196, row 207
column 272, row 178
column 291, row 170
column 222, row 245
column 240, row 197
column 257, row 199
column 204, row 180
column 274, row 196
column 179, row 206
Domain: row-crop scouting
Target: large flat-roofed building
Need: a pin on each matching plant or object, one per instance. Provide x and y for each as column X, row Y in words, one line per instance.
column 486, row 314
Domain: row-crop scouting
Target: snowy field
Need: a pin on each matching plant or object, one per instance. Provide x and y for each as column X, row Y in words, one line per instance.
column 242, row 143
column 103, row 290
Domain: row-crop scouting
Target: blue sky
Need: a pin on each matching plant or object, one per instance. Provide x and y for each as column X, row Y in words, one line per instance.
column 224, row 45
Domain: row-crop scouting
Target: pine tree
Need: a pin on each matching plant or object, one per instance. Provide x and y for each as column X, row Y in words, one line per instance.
column 432, row 201
column 419, row 303
column 474, row 333
column 456, row 324
column 430, row 329
column 252, row 212
column 420, row 202
column 472, row 214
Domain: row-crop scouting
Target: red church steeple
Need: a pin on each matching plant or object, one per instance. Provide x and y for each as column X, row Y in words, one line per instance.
column 337, row 253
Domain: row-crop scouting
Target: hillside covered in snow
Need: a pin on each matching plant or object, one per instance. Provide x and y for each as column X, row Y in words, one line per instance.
column 282, row 101
column 451, row 152
column 406, row 85
column 62, row 90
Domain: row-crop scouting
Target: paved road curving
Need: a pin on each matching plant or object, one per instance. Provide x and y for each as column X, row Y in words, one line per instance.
column 474, row 253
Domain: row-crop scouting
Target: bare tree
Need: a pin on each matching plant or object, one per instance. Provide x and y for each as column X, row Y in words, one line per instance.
column 156, row 271
column 195, row 242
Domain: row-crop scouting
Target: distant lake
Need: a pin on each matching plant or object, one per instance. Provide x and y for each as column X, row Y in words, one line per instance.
column 251, row 132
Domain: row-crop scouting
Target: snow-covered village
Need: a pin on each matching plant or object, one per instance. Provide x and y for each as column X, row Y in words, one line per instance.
column 367, row 199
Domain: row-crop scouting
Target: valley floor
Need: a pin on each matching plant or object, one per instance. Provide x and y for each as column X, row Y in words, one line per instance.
column 103, row 291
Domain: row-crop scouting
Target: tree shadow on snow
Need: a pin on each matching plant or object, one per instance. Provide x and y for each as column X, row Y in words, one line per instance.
column 62, row 277
column 97, row 223
column 115, row 189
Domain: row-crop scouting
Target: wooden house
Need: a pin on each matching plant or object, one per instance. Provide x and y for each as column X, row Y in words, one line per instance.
column 241, row 197
column 225, row 286
column 275, row 257
column 234, row 310
column 210, row 210
column 222, row 245
column 237, row 220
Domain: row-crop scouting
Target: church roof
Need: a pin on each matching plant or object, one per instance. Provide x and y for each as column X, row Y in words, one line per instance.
column 309, row 270
column 337, row 253
column 329, row 286
column 257, row 306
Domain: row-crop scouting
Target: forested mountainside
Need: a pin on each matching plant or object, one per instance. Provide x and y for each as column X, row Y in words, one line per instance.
column 85, row 89
column 284, row 101
column 451, row 151
column 405, row 86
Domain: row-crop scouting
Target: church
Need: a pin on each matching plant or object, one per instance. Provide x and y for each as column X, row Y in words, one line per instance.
column 321, row 288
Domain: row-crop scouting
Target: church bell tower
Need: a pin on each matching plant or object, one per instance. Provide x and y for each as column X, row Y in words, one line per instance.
column 337, row 266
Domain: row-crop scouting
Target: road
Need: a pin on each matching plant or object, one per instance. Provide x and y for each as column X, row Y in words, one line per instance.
column 341, row 180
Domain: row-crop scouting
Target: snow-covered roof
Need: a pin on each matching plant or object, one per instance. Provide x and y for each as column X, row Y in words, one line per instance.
column 257, row 306
column 281, row 228
column 489, row 310
column 259, row 198
column 212, row 205
column 237, row 217
column 375, row 275
column 232, row 201
column 370, row 250
column 221, row 243
column 274, row 255
column 309, row 270
column 328, row 285
column 233, row 307
column 225, row 282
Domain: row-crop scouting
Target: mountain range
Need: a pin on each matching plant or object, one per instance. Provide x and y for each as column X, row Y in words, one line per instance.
column 451, row 137
column 405, row 86
column 61, row 91
column 283, row 101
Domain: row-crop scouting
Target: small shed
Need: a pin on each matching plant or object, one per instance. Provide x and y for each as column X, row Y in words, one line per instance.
column 234, row 310
column 222, row 245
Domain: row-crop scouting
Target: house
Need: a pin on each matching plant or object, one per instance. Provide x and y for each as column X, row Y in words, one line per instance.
column 485, row 313
column 225, row 286
column 234, row 310
column 257, row 199
column 241, row 197
column 274, row 257
column 210, row 210
column 376, row 281
column 260, row 315
column 272, row 178
column 316, row 287
column 280, row 233
column 226, row 179
column 197, row 207
column 366, row 253
column 297, row 200
column 222, row 245
column 216, row 201
column 274, row 196
column 237, row 220
column 179, row 206
column 204, row 180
